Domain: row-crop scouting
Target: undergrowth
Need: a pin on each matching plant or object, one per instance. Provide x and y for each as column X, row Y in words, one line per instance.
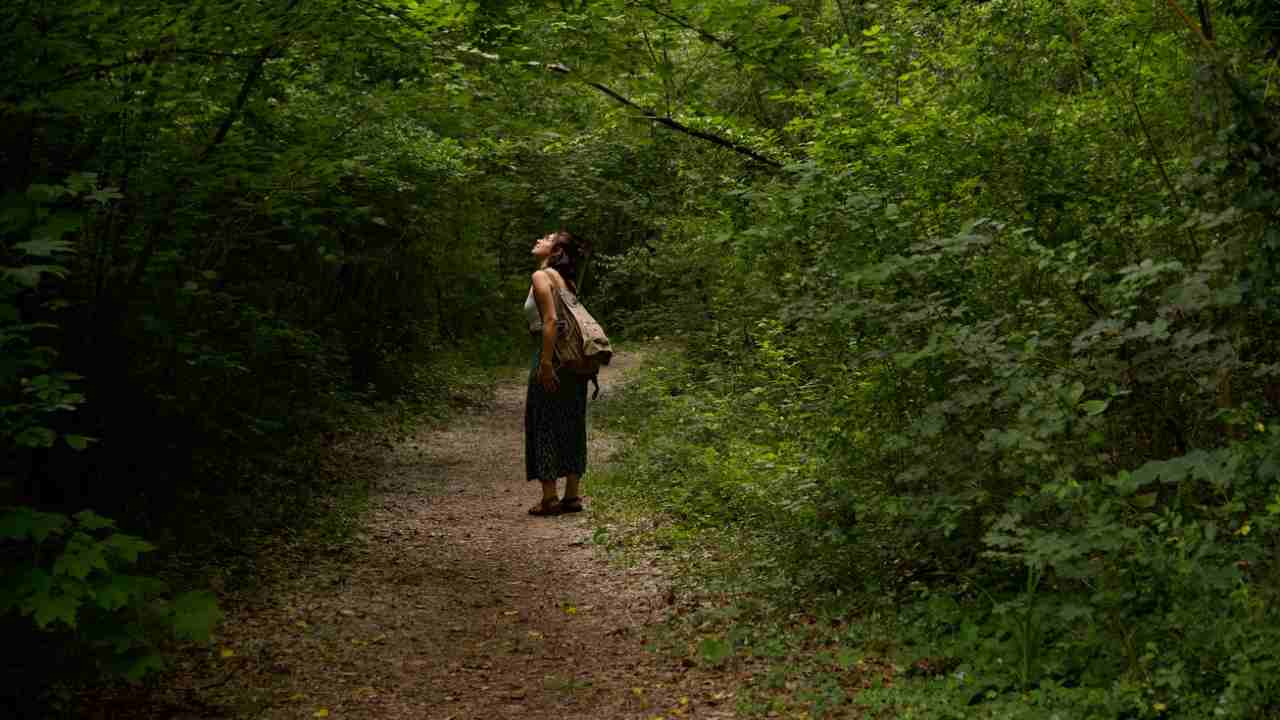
column 827, row 616
column 297, row 507
column 311, row 494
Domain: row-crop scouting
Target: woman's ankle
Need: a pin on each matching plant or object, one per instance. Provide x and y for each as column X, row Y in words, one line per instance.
column 549, row 491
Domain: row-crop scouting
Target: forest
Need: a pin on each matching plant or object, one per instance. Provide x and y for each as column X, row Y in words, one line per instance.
column 962, row 316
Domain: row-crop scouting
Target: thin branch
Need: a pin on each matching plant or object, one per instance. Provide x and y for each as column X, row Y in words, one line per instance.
column 728, row 45
column 74, row 75
column 210, row 53
column 250, row 80
column 1155, row 153
column 242, row 97
column 669, row 122
column 1186, row 20
column 1151, row 144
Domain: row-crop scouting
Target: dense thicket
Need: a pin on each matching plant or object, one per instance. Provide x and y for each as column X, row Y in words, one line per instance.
column 226, row 225
column 981, row 294
column 998, row 344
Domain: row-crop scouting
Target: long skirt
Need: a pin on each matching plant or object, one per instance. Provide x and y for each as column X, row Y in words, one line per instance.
column 555, row 424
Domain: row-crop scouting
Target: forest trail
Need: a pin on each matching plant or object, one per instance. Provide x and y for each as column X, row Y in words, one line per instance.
column 455, row 604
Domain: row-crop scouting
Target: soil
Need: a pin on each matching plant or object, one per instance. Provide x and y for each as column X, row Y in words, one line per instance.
column 454, row 603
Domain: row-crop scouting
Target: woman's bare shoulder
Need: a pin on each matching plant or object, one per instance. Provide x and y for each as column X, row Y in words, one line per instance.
column 549, row 277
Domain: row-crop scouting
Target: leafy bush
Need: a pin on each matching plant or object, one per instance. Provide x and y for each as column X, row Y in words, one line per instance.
column 72, row 575
column 1044, row 438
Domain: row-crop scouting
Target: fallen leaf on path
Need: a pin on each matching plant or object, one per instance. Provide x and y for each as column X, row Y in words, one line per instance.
column 321, row 713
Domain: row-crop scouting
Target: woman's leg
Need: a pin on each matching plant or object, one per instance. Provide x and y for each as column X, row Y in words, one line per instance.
column 549, row 490
column 550, row 502
column 575, row 445
column 572, row 501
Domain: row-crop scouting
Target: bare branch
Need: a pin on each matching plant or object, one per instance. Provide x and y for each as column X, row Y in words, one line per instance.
column 669, row 122
column 250, row 80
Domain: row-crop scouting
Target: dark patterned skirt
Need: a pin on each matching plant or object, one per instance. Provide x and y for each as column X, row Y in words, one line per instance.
column 555, row 424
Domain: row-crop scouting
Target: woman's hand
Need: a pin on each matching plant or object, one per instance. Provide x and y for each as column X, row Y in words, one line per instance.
column 547, row 376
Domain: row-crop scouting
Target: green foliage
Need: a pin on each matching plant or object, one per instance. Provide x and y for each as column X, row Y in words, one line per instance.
column 993, row 347
column 1027, row 260
column 35, row 390
column 72, row 575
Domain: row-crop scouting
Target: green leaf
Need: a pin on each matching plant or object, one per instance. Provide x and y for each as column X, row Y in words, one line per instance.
column 195, row 614
column 118, row 591
column 35, row 437
column 127, row 547
column 51, row 608
column 44, row 247
column 1094, row 407
column 1075, row 392
column 81, row 556
column 78, row 442
column 89, row 520
column 15, row 524
column 22, row 522
column 715, row 651
column 46, row 193
column 29, row 275
column 1144, row 501
column 82, row 182
column 106, row 195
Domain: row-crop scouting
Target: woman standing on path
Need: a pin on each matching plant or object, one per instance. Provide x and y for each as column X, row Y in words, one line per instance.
column 555, row 410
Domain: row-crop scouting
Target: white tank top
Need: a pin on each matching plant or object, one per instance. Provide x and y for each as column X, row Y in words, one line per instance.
column 532, row 314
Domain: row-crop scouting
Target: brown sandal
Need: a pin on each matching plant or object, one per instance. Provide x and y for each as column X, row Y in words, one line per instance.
column 546, row 507
column 571, row 505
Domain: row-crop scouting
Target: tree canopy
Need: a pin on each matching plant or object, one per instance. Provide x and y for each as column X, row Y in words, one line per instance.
column 989, row 288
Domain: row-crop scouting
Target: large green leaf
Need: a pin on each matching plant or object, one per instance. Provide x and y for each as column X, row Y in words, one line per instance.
column 195, row 615
column 23, row 523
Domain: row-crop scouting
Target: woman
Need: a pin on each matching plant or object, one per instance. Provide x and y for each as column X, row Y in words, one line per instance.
column 555, row 411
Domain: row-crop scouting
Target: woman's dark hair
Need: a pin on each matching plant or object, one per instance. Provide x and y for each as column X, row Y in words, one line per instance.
column 566, row 256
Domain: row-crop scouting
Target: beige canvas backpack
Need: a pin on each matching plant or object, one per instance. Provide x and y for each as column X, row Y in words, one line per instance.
column 581, row 344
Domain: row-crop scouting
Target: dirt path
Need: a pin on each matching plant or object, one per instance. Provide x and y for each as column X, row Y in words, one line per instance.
column 458, row 605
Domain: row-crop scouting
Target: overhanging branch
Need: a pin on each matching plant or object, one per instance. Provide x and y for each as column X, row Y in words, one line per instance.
column 667, row 121
column 729, row 46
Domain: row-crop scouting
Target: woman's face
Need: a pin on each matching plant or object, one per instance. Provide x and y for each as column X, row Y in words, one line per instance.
column 542, row 249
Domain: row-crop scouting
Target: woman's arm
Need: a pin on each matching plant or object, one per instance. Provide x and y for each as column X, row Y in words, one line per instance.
column 542, row 295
